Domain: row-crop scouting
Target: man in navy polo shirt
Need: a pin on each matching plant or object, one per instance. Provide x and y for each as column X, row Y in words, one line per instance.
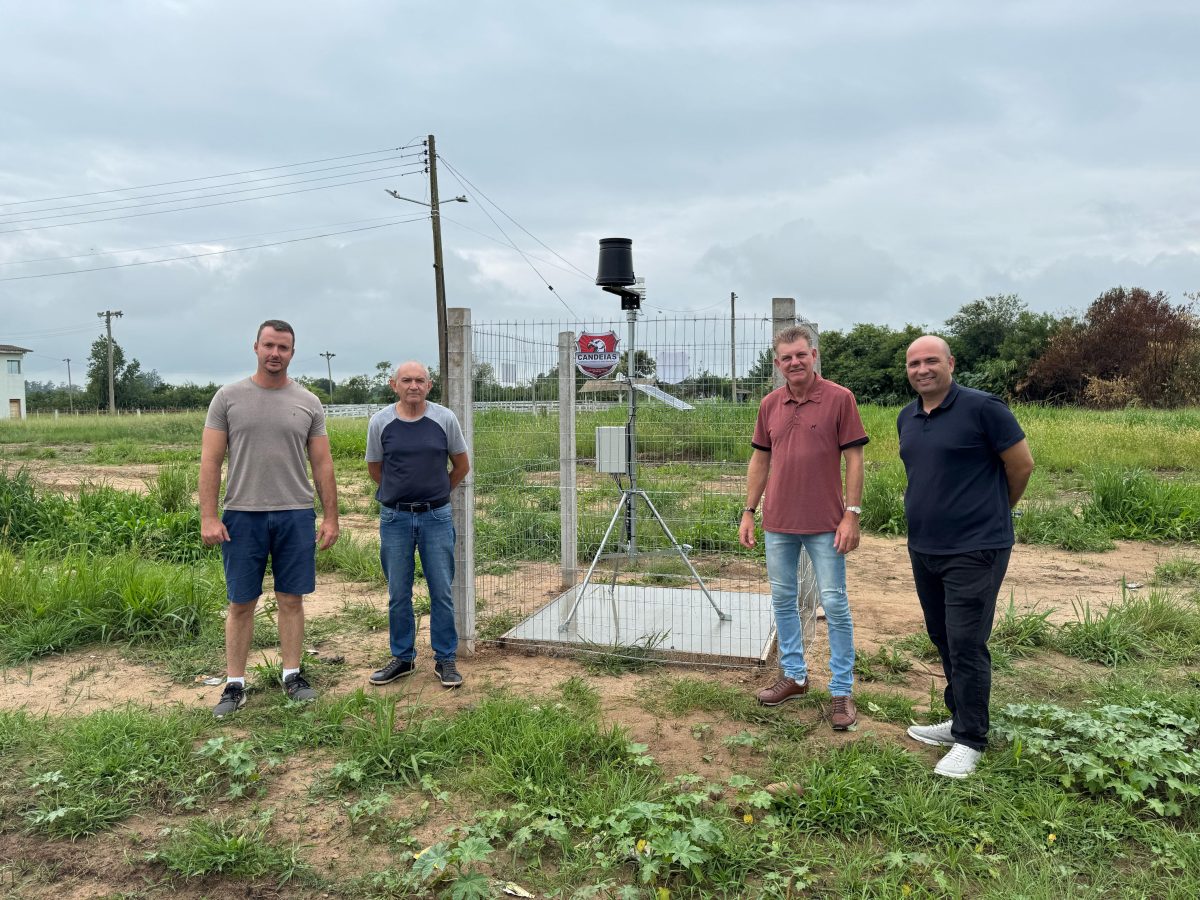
column 409, row 446
column 968, row 464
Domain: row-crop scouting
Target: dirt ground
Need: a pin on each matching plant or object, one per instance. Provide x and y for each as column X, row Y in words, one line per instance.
column 95, row 678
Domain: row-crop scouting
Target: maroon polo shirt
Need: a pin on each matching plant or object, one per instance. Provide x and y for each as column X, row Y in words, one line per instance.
column 806, row 440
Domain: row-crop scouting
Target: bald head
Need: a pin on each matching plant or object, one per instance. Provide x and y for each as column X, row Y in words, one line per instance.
column 929, row 343
column 930, row 368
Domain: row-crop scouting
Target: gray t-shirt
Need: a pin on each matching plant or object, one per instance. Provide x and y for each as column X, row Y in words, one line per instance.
column 268, row 430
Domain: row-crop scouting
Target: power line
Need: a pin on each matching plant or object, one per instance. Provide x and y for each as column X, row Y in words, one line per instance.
column 50, row 333
column 159, row 212
column 216, row 240
column 463, row 178
column 496, row 240
column 688, row 311
column 141, row 187
column 203, row 196
column 515, row 247
column 151, row 262
column 75, row 206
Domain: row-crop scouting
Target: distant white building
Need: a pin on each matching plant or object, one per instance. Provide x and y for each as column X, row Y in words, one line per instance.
column 12, row 381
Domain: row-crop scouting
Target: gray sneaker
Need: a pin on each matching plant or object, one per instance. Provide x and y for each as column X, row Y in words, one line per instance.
column 448, row 674
column 937, row 735
column 298, row 689
column 232, row 699
column 959, row 762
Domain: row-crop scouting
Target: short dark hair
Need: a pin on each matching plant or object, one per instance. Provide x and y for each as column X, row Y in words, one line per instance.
column 278, row 325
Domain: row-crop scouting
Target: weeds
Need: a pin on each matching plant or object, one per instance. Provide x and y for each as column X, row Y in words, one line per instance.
column 886, row 664
column 240, row 848
column 1145, row 756
column 99, row 769
column 47, row 607
column 1179, row 569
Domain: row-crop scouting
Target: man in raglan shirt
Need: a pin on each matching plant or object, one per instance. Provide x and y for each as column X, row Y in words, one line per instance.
column 417, row 455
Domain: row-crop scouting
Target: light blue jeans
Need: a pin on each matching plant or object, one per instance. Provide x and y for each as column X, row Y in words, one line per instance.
column 783, row 558
column 430, row 534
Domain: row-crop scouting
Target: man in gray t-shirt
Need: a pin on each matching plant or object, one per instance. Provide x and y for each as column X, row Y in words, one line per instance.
column 271, row 428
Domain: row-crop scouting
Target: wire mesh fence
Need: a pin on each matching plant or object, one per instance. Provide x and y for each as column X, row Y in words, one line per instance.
column 671, row 578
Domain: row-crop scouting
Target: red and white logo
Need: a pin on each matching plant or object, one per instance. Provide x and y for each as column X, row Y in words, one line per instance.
column 597, row 355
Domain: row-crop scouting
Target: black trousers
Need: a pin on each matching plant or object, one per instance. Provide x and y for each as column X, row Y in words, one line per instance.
column 958, row 598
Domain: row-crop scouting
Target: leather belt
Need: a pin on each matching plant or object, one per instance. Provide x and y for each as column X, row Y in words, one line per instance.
column 416, row 507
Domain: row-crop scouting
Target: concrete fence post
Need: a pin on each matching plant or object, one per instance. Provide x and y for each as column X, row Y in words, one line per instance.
column 783, row 315
column 460, row 365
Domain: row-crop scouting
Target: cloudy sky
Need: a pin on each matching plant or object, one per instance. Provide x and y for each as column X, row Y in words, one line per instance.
column 878, row 161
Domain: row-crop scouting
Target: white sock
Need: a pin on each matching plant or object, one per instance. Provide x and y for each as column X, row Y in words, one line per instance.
column 241, row 679
column 287, row 672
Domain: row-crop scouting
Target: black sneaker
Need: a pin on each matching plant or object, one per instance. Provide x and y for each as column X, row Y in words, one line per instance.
column 447, row 672
column 297, row 688
column 397, row 668
column 232, row 699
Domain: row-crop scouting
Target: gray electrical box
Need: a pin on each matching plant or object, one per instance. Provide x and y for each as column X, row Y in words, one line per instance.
column 611, row 449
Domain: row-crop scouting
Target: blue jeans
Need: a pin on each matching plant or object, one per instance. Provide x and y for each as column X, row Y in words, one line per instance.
column 783, row 558
column 431, row 534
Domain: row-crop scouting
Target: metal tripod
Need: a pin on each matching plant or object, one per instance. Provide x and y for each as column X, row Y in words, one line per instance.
column 628, row 505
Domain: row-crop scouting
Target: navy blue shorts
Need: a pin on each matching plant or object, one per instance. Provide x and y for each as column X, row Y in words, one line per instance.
column 287, row 536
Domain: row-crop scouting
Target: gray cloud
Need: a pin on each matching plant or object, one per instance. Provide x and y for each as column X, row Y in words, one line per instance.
column 882, row 162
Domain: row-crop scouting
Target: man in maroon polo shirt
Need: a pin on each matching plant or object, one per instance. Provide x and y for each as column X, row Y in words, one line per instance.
column 804, row 430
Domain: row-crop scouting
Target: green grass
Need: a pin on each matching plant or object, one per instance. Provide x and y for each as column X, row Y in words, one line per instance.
column 48, row 606
column 102, row 520
column 97, row 770
column 1180, row 569
column 354, row 558
column 237, row 848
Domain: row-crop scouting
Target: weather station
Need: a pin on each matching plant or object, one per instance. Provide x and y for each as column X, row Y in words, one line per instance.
column 690, row 621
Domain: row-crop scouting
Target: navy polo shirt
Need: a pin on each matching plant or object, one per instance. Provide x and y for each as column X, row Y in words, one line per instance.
column 957, row 495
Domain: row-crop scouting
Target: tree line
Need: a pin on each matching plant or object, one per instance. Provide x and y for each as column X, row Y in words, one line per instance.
column 1130, row 347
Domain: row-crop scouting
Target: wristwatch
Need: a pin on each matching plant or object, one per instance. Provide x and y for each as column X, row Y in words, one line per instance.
column 857, row 510
column 750, row 509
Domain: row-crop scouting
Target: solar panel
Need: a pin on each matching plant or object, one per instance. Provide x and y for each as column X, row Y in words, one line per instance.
column 662, row 396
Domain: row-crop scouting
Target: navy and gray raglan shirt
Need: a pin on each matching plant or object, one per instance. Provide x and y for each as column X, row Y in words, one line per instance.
column 414, row 454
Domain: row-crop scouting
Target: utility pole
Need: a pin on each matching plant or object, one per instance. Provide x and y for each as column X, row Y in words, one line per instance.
column 329, row 372
column 108, row 315
column 439, row 275
column 70, row 388
column 732, row 346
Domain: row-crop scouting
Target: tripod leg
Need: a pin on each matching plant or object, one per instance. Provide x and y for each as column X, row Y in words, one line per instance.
column 566, row 623
column 721, row 614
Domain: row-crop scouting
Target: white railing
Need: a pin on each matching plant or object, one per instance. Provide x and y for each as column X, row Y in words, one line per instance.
column 541, row 407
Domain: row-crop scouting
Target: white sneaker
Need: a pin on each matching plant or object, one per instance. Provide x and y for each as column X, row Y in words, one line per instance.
column 938, row 735
column 959, row 762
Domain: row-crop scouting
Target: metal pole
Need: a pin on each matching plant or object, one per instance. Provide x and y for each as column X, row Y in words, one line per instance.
column 732, row 347
column 631, row 439
column 70, row 387
column 439, row 276
column 329, row 372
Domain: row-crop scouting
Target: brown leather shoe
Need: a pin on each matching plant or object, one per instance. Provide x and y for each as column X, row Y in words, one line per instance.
column 783, row 690
column 845, row 713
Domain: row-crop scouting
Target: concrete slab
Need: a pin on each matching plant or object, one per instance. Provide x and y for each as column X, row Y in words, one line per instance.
column 674, row 622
